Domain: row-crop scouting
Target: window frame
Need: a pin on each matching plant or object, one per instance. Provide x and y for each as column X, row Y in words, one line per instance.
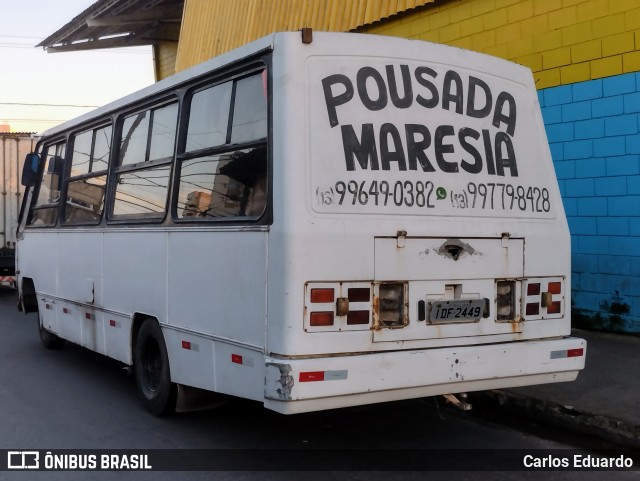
column 116, row 169
column 55, row 142
column 266, row 218
column 103, row 124
column 179, row 94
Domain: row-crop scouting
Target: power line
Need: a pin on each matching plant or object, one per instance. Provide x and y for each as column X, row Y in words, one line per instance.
column 18, row 36
column 123, row 50
column 32, row 120
column 48, row 105
column 15, row 45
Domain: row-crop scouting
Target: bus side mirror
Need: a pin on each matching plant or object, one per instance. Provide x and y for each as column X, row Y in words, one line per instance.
column 30, row 170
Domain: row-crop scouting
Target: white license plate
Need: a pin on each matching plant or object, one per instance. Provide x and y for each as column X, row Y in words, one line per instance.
column 468, row 310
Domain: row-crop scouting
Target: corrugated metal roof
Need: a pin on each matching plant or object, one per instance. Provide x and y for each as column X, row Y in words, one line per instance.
column 211, row 27
column 207, row 28
column 119, row 23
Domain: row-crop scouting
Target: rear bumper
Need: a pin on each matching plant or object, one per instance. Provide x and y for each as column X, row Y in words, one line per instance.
column 302, row 385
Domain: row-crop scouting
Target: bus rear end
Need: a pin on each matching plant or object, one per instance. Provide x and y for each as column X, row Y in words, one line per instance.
column 419, row 244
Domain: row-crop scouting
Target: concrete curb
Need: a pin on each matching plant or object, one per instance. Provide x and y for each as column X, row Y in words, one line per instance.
column 567, row 417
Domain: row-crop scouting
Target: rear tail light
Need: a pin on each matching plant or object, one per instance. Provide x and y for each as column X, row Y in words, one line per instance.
column 555, row 287
column 533, row 309
column 359, row 294
column 391, row 305
column 544, row 299
column 358, row 318
column 554, row 308
column 340, row 306
column 533, row 289
column 321, row 296
column 506, row 300
column 355, row 306
column 324, row 318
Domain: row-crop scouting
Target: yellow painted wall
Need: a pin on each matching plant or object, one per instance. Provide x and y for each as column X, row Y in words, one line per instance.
column 165, row 54
column 562, row 41
column 212, row 27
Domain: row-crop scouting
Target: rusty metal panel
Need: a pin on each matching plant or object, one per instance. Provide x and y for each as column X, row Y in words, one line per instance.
column 212, row 27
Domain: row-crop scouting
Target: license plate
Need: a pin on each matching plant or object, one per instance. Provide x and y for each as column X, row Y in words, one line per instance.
column 468, row 310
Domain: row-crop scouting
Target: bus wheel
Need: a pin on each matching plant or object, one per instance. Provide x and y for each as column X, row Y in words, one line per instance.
column 49, row 339
column 151, row 364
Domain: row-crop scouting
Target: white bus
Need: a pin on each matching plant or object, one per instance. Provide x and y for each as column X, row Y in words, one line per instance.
column 347, row 220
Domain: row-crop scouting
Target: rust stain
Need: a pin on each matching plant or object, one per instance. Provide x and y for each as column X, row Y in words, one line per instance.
column 454, row 248
column 516, row 325
column 376, row 320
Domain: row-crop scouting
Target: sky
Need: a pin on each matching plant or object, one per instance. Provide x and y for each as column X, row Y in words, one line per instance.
column 59, row 86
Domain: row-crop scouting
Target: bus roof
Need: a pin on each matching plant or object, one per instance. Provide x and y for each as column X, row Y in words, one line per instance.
column 479, row 60
column 262, row 44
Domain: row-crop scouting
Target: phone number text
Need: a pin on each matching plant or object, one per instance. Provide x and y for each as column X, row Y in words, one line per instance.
column 475, row 196
column 399, row 193
column 499, row 196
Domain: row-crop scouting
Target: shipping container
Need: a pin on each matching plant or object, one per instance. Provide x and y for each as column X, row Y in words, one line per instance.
column 15, row 146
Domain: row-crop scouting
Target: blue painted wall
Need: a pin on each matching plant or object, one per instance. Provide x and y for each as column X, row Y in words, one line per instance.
column 594, row 135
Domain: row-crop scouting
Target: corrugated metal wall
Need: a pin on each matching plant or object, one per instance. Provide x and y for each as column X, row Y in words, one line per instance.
column 165, row 54
column 212, row 27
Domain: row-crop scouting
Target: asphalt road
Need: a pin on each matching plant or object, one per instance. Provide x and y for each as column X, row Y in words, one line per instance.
column 75, row 399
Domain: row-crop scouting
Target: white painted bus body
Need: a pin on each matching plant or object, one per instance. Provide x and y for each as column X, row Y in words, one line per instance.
column 234, row 302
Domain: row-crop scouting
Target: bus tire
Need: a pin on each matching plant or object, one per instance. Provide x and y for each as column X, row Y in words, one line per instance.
column 151, row 364
column 49, row 339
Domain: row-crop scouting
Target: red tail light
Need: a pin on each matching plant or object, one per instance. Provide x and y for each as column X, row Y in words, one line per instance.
column 322, row 296
column 533, row 309
column 554, row 308
column 358, row 317
column 321, row 318
column 555, row 287
column 359, row 294
column 544, row 298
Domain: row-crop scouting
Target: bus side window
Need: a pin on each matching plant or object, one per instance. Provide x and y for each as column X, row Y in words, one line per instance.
column 44, row 210
column 250, row 109
column 257, row 200
column 85, row 200
column 249, row 169
column 223, row 173
column 147, row 142
column 227, row 185
column 87, row 184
